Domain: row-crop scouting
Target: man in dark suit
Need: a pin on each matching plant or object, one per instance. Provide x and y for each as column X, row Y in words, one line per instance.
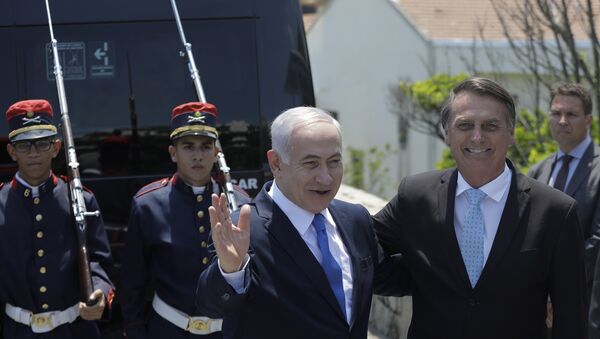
column 313, row 261
column 575, row 167
column 484, row 244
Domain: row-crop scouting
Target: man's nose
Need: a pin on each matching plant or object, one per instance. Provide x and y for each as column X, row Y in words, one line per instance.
column 563, row 119
column 477, row 134
column 324, row 176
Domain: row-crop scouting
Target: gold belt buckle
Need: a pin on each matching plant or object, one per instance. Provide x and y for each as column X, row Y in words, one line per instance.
column 197, row 325
column 40, row 320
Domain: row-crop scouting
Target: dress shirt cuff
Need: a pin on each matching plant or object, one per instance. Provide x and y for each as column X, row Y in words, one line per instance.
column 236, row 279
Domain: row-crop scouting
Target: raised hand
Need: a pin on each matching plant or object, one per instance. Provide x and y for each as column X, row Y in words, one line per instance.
column 231, row 242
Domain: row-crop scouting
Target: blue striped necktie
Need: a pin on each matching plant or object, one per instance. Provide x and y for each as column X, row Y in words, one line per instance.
column 330, row 266
column 471, row 245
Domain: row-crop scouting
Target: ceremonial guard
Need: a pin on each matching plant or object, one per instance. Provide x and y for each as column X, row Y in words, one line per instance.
column 168, row 235
column 39, row 277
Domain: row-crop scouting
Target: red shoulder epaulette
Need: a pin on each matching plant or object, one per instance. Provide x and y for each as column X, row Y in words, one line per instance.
column 66, row 179
column 152, row 186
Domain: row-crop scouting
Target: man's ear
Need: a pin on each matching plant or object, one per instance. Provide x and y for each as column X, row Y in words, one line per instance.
column 11, row 151
column 274, row 161
column 173, row 153
column 217, row 150
column 56, row 147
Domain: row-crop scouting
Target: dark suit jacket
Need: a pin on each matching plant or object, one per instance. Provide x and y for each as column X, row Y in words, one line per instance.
column 288, row 293
column 585, row 188
column 537, row 251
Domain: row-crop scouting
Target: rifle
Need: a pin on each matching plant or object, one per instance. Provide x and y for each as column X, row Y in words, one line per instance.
column 222, row 164
column 75, row 188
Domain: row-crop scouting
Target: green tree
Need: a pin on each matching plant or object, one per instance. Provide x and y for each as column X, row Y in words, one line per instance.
column 366, row 169
column 418, row 104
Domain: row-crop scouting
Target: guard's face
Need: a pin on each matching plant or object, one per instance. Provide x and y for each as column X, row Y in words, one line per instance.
column 194, row 156
column 569, row 124
column 479, row 135
column 314, row 173
column 34, row 158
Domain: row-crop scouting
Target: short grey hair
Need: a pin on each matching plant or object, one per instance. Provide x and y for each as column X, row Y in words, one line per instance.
column 292, row 119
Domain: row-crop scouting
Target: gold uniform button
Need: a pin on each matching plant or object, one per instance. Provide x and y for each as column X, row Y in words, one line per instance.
column 205, row 260
column 43, row 270
column 201, row 229
column 203, row 244
column 45, row 306
column 39, row 235
column 43, row 289
column 38, row 217
column 36, row 200
column 199, row 198
column 40, row 253
column 200, row 214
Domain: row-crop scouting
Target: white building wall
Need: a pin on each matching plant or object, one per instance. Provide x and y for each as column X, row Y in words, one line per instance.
column 358, row 49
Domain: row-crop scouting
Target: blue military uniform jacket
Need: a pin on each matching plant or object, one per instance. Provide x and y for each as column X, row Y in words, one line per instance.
column 166, row 246
column 38, row 256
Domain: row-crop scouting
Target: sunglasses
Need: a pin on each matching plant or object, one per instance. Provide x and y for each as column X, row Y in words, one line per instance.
column 41, row 145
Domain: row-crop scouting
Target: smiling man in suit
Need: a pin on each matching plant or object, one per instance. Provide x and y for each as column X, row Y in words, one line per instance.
column 484, row 244
column 314, row 261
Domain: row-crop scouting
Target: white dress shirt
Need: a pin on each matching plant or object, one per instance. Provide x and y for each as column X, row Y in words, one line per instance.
column 577, row 154
column 492, row 207
column 302, row 221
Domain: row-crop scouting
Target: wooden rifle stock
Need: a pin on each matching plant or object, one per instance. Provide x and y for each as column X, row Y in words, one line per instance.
column 75, row 187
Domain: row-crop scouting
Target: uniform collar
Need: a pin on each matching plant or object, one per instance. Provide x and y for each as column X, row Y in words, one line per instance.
column 23, row 188
column 181, row 185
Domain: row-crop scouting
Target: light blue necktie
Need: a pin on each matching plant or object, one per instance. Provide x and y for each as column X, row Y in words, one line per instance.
column 471, row 245
column 330, row 266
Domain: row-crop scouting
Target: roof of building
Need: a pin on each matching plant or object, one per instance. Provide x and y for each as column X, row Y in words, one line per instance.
column 466, row 19
column 476, row 19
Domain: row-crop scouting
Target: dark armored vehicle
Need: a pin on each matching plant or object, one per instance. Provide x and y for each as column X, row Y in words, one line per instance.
column 124, row 73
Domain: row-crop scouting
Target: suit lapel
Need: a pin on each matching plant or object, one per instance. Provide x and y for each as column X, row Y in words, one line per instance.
column 516, row 204
column 345, row 226
column 446, row 198
column 281, row 229
column 546, row 169
column 583, row 169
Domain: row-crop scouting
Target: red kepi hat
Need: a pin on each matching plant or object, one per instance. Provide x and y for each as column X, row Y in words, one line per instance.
column 30, row 119
column 194, row 118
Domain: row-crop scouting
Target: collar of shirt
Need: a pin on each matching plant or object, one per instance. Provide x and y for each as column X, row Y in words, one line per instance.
column 299, row 217
column 578, row 151
column 198, row 189
column 494, row 189
column 35, row 190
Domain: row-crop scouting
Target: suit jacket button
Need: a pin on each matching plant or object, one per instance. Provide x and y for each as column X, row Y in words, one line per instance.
column 226, row 296
column 472, row 302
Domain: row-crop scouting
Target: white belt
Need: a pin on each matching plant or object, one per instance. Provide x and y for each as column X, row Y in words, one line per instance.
column 194, row 325
column 42, row 322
